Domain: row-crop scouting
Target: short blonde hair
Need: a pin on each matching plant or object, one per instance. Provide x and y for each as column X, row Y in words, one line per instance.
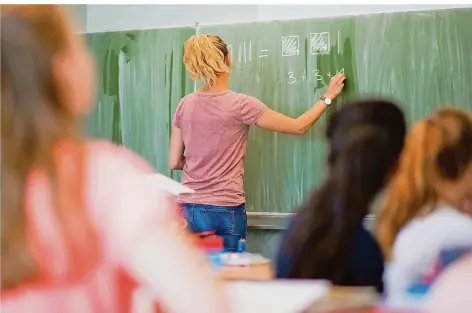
column 204, row 58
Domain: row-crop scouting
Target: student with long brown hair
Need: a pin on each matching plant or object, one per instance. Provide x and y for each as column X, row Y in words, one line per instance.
column 210, row 133
column 326, row 239
column 427, row 204
column 80, row 228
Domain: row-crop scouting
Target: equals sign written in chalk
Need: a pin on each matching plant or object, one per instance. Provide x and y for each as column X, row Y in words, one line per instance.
column 264, row 53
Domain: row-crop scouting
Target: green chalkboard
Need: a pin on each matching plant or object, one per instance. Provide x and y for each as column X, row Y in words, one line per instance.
column 141, row 79
column 421, row 59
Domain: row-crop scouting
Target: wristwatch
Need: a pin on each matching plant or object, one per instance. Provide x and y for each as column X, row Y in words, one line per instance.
column 326, row 100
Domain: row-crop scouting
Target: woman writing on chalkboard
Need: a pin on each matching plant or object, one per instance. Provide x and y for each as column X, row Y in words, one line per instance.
column 326, row 238
column 211, row 127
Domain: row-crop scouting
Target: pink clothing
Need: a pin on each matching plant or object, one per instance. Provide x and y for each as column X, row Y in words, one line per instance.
column 215, row 132
column 451, row 292
column 122, row 210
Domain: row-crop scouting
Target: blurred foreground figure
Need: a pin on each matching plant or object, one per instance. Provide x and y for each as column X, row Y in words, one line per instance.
column 80, row 227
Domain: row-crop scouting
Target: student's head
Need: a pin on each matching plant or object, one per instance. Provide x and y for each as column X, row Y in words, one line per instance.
column 63, row 67
column 365, row 140
column 206, row 58
column 46, row 79
column 435, row 166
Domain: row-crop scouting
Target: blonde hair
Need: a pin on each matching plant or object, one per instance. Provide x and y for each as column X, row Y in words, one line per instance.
column 204, row 58
column 437, row 149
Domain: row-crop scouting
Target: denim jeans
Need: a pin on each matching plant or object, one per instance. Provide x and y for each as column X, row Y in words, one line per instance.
column 228, row 222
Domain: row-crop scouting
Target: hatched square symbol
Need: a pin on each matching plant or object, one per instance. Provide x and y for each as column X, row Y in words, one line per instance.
column 290, row 45
column 320, row 43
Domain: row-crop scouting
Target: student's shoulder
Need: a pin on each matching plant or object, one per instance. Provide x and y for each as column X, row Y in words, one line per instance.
column 441, row 228
column 363, row 235
column 107, row 155
column 442, row 221
column 365, row 241
column 118, row 167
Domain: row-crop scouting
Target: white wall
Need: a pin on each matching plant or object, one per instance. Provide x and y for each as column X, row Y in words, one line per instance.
column 282, row 12
column 102, row 18
column 79, row 12
column 124, row 17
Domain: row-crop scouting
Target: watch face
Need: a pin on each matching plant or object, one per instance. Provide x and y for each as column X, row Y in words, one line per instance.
column 327, row 101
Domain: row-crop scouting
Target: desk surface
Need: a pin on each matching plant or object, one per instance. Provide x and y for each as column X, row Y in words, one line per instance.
column 303, row 296
column 255, row 272
column 254, row 290
column 274, row 296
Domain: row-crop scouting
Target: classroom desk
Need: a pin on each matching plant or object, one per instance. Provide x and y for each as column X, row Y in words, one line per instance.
column 303, row 296
column 282, row 296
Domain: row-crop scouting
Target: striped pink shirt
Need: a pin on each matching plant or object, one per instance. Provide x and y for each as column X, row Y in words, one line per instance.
column 215, row 133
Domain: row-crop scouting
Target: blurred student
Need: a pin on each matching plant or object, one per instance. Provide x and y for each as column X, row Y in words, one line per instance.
column 326, row 239
column 209, row 137
column 80, row 229
column 427, row 203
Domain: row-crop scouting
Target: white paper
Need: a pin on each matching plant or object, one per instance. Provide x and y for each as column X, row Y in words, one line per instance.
column 242, row 259
column 277, row 296
column 166, row 184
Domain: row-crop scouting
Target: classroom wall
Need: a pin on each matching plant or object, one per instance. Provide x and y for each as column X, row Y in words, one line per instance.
column 118, row 17
column 101, row 18
column 79, row 12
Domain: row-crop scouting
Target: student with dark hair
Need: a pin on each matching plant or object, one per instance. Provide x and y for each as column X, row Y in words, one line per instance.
column 326, row 239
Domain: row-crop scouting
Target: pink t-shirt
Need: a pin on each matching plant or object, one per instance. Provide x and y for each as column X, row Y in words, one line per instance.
column 121, row 207
column 215, row 132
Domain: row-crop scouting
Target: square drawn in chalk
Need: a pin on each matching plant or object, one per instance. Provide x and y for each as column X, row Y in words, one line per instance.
column 320, row 43
column 290, row 45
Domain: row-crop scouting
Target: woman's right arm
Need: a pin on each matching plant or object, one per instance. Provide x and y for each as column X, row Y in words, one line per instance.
column 272, row 120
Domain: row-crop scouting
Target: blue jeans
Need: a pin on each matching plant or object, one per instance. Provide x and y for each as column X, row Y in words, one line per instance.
column 229, row 222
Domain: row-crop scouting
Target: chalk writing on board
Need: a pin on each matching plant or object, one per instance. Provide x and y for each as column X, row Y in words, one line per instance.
column 291, row 78
column 239, row 53
column 263, row 53
column 244, row 52
column 320, row 43
column 290, row 46
column 339, row 41
column 250, row 51
column 317, row 75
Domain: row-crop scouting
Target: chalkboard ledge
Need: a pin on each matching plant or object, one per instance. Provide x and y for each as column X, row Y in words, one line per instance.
column 279, row 221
